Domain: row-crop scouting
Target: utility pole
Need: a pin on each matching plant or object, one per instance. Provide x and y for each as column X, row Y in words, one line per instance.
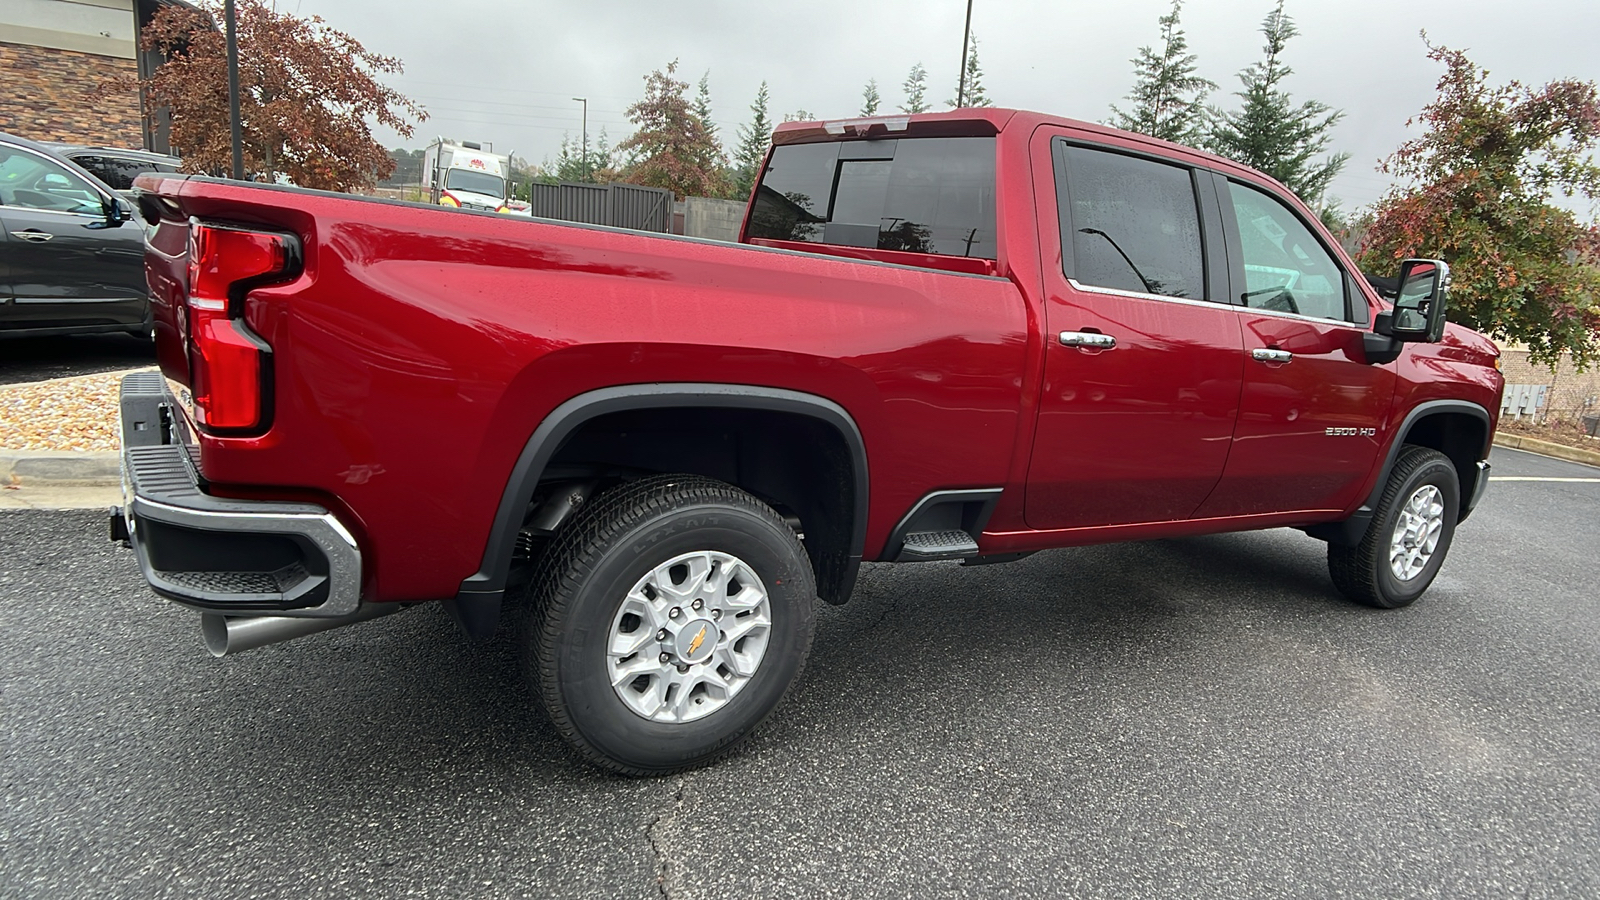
column 966, row 38
column 233, row 90
column 585, row 102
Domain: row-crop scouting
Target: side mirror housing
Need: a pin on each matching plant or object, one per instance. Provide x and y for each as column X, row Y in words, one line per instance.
column 1419, row 305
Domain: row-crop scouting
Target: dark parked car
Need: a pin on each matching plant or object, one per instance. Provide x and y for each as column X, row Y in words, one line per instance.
column 72, row 259
column 117, row 167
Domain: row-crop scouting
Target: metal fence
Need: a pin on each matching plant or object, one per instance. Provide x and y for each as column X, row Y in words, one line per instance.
column 619, row 205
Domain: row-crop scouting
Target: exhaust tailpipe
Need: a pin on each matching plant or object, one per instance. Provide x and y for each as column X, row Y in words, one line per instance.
column 228, row 635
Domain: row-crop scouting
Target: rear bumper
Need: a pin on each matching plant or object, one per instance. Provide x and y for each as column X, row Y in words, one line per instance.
column 235, row 557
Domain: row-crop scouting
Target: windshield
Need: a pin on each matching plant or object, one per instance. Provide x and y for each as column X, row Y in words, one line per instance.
column 923, row 195
column 476, row 182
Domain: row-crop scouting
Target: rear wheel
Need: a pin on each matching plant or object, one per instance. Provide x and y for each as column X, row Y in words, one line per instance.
column 669, row 618
column 1409, row 536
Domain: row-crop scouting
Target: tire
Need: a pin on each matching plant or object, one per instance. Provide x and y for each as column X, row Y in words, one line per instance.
column 621, row 555
column 1424, row 492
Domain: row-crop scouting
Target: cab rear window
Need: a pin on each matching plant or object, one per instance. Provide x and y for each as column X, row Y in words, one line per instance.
column 919, row 195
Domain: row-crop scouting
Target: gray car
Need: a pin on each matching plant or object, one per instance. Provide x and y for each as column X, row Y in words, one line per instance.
column 72, row 259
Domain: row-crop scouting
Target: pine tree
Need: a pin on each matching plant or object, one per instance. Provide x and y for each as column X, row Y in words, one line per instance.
column 753, row 141
column 870, row 98
column 1168, row 97
column 974, row 94
column 800, row 115
column 702, row 104
column 1269, row 132
column 916, row 88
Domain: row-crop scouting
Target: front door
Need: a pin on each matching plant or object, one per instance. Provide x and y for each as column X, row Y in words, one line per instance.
column 1312, row 411
column 1144, row 356
column 67, row 265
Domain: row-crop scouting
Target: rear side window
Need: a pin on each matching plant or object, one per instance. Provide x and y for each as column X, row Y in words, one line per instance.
column 921, row 195
column 119, row 172
column 1132, row 224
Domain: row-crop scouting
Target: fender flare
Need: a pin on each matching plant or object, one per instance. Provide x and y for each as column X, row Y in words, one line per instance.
column 481, row 592
column 1351, row 530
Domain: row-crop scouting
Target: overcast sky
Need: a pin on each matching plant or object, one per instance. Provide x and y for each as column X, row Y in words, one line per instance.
column 505, row 71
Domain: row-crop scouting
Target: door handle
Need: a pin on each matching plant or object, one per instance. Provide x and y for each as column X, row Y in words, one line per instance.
column 1088, row 340
column 34, row 235
column 1271, row 355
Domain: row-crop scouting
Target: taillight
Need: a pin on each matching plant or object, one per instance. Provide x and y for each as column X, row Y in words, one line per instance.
column 229, row 363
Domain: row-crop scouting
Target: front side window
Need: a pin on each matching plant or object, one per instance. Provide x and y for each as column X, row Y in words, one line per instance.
column 33, row 182
column 1286, row 268
column 920, row 195
column 1134, row 224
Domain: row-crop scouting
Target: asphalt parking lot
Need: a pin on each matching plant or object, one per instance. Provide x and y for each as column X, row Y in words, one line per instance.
column 1192, row 718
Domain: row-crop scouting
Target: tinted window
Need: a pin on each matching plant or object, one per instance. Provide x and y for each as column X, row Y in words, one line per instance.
column 33, row 182
column 1135, row 225
column 924, row 195
column 1285, row 267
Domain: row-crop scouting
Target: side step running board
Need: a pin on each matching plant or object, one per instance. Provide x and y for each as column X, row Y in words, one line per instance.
column 921, row 546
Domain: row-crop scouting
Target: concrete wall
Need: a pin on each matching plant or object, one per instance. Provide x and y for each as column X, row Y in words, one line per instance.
column 1572, row 394
column 47, row 94
column 718, row 220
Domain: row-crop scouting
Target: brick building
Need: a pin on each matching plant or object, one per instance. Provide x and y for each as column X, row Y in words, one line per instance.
column 1571, row 393
column 54, row 54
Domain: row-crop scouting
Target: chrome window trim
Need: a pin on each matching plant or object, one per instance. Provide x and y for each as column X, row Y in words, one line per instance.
column 1140, row 295
column 54, row 212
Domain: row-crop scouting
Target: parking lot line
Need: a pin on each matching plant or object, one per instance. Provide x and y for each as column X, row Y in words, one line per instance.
column 1539, row 478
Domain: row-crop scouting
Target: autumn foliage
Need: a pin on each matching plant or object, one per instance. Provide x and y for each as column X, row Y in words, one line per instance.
column 307, row 93
column 672, row 147
column 1481, row 184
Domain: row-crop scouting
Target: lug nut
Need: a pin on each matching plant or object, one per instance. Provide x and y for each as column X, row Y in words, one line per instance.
column 661, row 635
column 676, row 612
column 698, row 603
column 666, row 657
column 683, row 670
column 716, row 614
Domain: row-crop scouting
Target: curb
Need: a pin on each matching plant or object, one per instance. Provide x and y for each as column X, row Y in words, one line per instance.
column 1547, row 448
column 43, row 468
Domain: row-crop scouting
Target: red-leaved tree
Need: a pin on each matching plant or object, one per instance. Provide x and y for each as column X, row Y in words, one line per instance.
column 307, row 93
column 1482, row 181
column 672, row 148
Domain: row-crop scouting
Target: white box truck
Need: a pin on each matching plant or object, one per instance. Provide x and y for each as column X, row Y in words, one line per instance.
column 467, row 174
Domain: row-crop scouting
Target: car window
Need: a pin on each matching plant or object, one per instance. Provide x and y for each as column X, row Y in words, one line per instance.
column 1285, row 267
column 1134, row 224
column 33, row 182
column 921, row 195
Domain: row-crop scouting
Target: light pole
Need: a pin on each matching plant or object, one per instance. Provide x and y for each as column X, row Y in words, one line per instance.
column 585, row 102
column 966, row 38
column 233, row 91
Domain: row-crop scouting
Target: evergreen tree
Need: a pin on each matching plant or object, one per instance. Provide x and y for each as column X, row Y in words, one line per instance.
column 1269, row 132
column 702, row 104
column 800, row 115
column 1168, row 98
column 974, row 95
column 753, row 141
column 916, row 88
column 870, row 98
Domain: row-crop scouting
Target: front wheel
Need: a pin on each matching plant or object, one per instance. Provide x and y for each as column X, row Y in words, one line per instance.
column 1409, row 536
column 669, row 618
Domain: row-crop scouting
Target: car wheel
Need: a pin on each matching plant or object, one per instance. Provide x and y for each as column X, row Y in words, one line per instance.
column 1409, row 536
column 669, row 617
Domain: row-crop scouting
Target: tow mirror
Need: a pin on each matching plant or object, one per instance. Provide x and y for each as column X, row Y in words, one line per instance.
column 1419, row 304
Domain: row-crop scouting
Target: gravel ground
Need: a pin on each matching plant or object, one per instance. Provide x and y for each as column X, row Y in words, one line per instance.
column 77, row 413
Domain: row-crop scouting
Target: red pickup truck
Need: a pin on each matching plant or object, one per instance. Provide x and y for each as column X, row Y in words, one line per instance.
column 957, row 336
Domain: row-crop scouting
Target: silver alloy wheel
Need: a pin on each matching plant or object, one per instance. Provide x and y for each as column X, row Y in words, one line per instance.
column 1416, row 532
column 689, row 636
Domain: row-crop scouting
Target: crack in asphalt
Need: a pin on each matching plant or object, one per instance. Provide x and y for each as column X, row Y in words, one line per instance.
column 657, row 848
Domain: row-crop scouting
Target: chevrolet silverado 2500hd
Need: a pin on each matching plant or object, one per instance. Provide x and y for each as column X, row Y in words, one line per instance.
column 957, row 336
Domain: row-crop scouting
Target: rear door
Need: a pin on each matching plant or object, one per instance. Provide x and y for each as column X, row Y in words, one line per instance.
column 1312, row 410
column 1144, row 355
column 66, row 265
